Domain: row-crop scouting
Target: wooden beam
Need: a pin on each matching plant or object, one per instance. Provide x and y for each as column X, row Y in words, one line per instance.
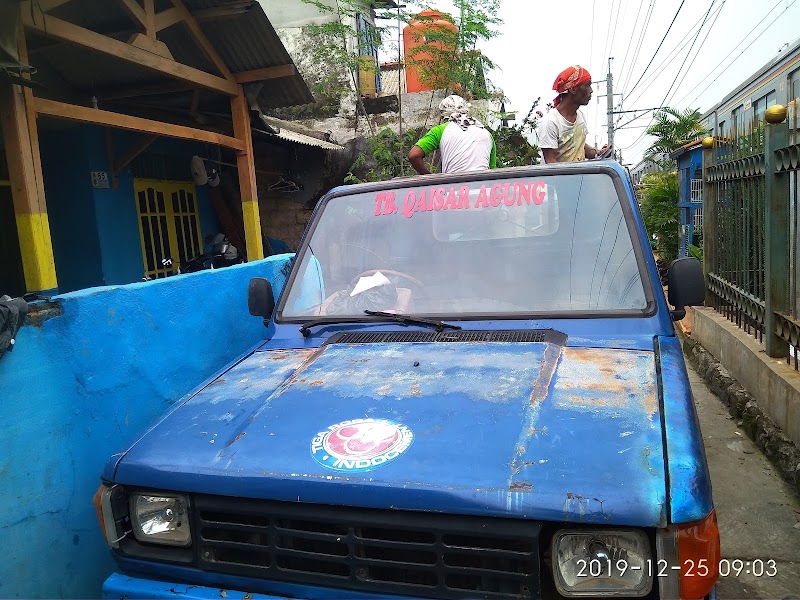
column 46, row 5
column 195, row 103
column 134, row 10
column 202, row 41
column 82, row 114
column 30, row 114
column 134, row 151
column 137, row 91
column 216, row 14
column 168, row 18
column 33, row 227
column 240, row 111
column 60, row 29
column 266, row 73
column 21, row 142
column 150, row 18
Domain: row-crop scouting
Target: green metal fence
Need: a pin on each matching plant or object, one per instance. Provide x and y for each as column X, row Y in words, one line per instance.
column 750, row 229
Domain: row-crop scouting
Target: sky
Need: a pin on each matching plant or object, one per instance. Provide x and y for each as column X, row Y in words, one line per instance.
column 694, row 67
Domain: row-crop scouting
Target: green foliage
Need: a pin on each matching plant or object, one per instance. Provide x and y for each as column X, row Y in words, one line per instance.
column 659, row 204
column 450, row 59
column 513, row 147
column 337, row 43
column 672, row 129
column 385, row 157
column 696, row 252
column 337, row 48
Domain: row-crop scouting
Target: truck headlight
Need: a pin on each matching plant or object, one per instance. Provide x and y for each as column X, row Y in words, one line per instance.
column 602, row 563
column 161, row 519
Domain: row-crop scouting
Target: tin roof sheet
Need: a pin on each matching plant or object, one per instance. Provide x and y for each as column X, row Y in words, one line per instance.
column 245, row 41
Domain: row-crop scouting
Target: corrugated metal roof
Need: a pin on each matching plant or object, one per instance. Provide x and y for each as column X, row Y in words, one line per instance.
column 249, row 42
column 244, row 41
column 299, row 138
column 292, row 132
column 392, row 76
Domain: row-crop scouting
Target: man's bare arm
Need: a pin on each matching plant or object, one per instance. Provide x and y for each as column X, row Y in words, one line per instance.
column 415, row 157
column 549, row 155
column 592, row 152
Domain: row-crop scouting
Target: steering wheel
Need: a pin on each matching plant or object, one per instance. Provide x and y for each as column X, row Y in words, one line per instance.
column 387, row 272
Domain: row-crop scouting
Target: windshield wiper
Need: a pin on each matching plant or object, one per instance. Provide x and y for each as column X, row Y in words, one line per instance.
column 440, row 325
column 400, row 318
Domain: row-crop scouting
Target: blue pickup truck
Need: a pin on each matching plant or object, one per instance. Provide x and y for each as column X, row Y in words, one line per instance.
column 469, row 387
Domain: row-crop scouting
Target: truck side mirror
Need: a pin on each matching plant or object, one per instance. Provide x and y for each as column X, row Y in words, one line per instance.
column 686, row 286
column 260, row 299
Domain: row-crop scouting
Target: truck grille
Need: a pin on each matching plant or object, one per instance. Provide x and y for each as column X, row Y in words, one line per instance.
column 378, row 551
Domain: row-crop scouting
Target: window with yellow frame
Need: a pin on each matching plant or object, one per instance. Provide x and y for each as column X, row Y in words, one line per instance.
column 169, row 224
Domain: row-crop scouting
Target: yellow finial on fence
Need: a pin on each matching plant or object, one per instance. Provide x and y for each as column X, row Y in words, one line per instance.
column 776, row 114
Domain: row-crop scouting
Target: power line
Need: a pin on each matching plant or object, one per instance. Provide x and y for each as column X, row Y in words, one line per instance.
column 645, row 26
column 662, row 66
column 659, row 45
column 637, row 117
column 778, row 16
column 616, row 24
column 685, row 58
column 675, row 88
column 627, row 50
column 608, row 29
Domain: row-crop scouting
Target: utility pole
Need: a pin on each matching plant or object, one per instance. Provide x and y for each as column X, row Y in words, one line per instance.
column 610, row 103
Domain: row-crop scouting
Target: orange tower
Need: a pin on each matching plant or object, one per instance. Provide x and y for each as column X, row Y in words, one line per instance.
column 414, row 36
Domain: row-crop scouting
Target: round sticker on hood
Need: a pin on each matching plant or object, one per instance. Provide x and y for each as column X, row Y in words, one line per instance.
column 361, row 444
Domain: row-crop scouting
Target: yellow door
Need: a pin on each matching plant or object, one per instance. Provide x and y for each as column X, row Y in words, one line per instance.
column 169, row 224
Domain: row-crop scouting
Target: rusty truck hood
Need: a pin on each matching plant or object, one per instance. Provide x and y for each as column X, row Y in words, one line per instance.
column 535, row 430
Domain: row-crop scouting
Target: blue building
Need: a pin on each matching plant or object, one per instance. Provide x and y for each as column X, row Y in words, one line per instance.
column 116, row 121
column 689, row 159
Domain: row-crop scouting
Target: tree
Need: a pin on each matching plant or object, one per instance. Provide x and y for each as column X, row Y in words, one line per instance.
column 340, row 48
column 448, row 57
column 513, row 147
column 672, row 129
column 660, row 212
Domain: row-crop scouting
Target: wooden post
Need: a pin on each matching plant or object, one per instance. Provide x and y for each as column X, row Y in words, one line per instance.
column 247, row 176
column 27, row 190
column 776, row 234
column 21, row 139
column 709, row 222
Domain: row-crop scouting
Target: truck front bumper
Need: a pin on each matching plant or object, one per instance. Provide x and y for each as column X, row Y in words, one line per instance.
column 121, row 586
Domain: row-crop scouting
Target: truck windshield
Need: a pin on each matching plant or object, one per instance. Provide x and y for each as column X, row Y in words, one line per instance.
column 544, row 244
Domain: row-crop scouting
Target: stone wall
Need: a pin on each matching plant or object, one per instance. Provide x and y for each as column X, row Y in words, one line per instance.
column 762, row 393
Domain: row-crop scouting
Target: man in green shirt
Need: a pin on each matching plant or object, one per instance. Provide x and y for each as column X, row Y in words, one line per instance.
column 464, row 143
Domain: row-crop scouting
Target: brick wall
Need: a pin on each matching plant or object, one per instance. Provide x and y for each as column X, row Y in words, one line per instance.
column 282, row 218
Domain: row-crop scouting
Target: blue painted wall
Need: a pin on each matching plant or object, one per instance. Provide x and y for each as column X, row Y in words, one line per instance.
column 80, row 387
column 688, row 164
column 117, row 220
column 70, row 207
column 95, row 232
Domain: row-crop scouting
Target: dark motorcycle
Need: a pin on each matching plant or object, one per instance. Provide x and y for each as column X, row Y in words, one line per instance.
column 220, row 253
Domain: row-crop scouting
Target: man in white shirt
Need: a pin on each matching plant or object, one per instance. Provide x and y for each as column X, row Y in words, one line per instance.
column 562, row 133
column 464, row 143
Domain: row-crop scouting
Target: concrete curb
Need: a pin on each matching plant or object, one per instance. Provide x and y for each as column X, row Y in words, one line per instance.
column 769, row 438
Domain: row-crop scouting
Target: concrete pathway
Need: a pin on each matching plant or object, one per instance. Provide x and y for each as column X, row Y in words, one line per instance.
column 757, row 512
